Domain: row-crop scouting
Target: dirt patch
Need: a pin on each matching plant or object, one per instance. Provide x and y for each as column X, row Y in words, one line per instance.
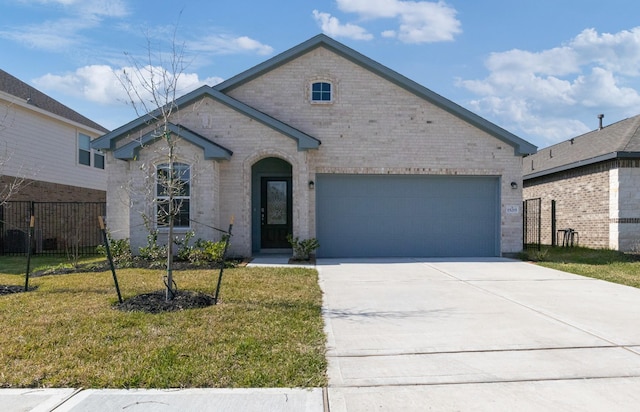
column 155, row 302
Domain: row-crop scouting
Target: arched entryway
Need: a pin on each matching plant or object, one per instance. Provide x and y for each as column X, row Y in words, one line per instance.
column 271, row 205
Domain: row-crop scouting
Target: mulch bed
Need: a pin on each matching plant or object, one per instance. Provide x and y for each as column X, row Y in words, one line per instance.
column 9, row 289
column 155, row 302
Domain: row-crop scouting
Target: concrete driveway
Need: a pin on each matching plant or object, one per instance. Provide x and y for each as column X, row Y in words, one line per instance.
column 477, row 334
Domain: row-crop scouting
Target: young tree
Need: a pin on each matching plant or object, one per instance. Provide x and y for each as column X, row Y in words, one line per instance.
column 152, row 90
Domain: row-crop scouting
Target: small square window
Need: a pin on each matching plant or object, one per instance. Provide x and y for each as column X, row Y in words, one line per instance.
column 321, row 92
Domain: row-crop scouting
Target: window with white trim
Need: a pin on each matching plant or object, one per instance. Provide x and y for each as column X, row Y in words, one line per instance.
column 88, row 156
column 321, row 92
column 175, row 186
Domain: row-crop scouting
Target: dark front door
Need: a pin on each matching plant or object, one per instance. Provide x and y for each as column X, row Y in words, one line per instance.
column 275, row 212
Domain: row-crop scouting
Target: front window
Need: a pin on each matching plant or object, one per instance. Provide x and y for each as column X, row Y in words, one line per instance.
column 321, row 92
column 173, row 195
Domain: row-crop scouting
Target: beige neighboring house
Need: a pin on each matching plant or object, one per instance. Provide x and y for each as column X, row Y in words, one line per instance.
column 594, row 180
column 321, row 141
column 48, row 144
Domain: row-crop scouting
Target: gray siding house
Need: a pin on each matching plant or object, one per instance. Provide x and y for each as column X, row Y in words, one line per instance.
column 321, row 141
column 594, row 180
column 48, row 144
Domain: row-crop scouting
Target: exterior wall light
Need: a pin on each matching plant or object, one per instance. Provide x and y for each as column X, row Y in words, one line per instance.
column 514, row 185
column 311, row 185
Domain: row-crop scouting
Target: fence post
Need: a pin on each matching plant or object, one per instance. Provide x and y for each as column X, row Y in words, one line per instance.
column 32, row 222
column 109, row 257
column 224, row 255
column 554, row 240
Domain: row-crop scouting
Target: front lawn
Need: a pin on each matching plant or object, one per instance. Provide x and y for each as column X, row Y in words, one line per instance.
column 266, row 331
column 605, row 264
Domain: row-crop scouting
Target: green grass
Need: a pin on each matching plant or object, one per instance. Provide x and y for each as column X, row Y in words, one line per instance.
column 17, row 265
column 266, row 331
column 605, row 264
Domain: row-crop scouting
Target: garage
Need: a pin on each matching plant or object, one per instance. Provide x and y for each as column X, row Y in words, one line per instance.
column 407, row 215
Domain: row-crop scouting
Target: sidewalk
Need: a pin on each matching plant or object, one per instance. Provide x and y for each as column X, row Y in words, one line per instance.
column 157, row 400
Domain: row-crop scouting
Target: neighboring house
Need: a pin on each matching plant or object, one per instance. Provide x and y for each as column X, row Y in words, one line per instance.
column 594, row 180
column 48, row 144
column 321, row 141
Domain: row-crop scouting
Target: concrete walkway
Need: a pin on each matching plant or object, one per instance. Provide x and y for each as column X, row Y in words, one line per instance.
column 477, row 335
column 158, row 400
column 430, row 334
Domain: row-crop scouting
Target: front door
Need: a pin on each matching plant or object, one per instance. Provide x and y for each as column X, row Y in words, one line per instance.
column 275, row 212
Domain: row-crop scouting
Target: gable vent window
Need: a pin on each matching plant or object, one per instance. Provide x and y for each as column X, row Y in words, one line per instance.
column 321, row 92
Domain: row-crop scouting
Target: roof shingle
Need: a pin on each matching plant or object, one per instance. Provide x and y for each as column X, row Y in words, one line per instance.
column 618, row 139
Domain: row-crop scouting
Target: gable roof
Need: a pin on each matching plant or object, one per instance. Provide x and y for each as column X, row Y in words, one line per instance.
column 521, row 146
column 17, row 88
column 305, row 141
column 615, row 141
column 211, row 150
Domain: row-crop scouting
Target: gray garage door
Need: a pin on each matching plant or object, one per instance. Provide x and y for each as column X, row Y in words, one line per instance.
column 407, row 216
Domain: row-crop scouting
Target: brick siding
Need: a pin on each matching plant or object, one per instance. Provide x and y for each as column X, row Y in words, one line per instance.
column 38, row 191
column 600, row 201
column 373, row 126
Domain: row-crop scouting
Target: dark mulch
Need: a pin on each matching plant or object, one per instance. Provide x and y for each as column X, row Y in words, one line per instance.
column 9, row 289
column 310, row 261
column 155, row 302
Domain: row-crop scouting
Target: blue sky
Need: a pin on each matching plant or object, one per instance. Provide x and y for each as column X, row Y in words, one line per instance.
column 541, row 69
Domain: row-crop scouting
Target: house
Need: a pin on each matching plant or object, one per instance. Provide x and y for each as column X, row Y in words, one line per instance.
column 321, row 141
column 47, row 144
column 594, row 180
column 46, row 157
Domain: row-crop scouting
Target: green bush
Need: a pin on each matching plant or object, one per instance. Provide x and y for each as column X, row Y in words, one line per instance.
column 154, row 253
column 120, row 251
column 302, row 249
column 213, row 251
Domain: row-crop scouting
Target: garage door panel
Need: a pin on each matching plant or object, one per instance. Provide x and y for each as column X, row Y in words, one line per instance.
column 407, row 215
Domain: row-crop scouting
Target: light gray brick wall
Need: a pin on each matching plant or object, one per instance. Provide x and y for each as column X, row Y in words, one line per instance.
column 372, row 126
column 377, row 127
column 625, row 202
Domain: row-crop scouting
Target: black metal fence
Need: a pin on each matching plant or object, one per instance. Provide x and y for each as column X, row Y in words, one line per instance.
column 532, row 223
column 69, row 228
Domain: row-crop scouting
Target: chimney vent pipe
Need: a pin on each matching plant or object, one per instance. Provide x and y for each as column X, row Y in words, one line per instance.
column 600, row 117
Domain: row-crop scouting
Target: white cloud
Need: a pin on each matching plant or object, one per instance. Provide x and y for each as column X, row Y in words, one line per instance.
column 419, row 21
column 226, row 44
column 545, row 94
column 100, row 84
column 331, row 26
column 52, row 35
column 106, row 8
column 65, row 33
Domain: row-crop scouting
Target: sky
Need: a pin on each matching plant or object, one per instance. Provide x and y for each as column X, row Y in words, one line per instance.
column 541, row 69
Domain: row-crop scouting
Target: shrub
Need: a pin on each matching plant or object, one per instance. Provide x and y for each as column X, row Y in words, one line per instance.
column 213, row 251
column 302, row 249
column 120, row 251
column 153, row 252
